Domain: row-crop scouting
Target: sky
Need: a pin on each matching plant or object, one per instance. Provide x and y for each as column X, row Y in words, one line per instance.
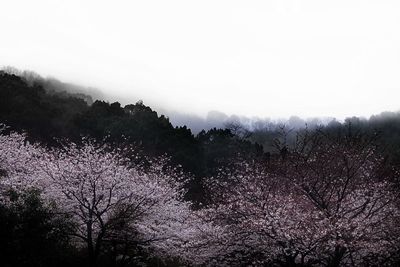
column 272, row 58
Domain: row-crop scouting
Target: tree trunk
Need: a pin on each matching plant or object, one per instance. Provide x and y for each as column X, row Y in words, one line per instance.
column 91, row 250
column 337, row 257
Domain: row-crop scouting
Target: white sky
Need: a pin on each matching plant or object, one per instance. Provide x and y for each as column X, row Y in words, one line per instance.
column 255, row 58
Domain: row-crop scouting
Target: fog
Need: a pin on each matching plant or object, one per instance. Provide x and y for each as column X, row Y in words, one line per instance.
column 258, row 59
column 197, row 123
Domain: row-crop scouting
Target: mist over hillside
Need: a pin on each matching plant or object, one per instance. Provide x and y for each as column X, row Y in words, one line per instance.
column 196, row 123
column 55, row 86
column 213, row 119
column 218, row 119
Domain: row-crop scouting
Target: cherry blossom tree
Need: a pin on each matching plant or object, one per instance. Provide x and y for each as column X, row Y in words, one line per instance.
column 345, row 178
column 17, row 157
column 112, row 205
column 329, row 203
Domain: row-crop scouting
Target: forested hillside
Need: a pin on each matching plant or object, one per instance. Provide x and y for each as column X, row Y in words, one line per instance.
column 48, row 117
